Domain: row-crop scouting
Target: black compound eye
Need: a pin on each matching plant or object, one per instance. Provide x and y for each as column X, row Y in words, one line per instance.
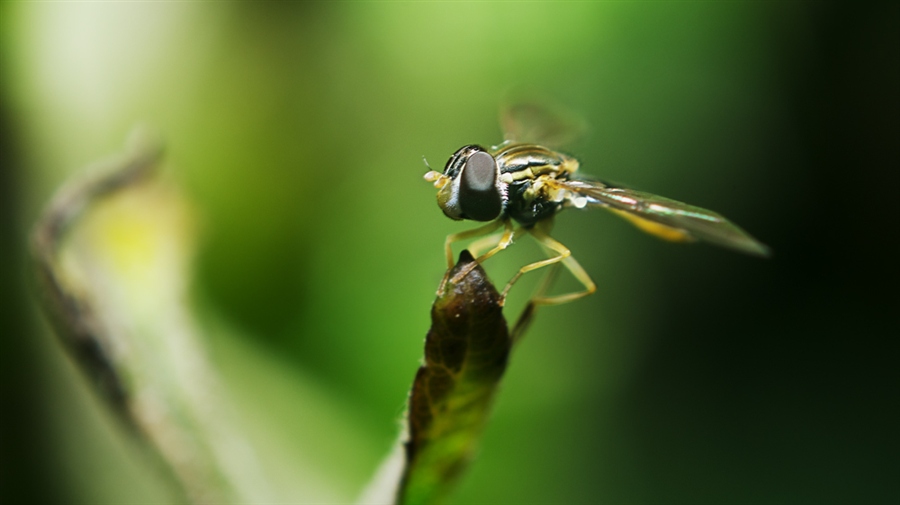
column 479, row 174
column 479, row 196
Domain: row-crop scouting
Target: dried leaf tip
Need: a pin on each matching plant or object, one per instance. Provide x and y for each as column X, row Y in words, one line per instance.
column 466, row 353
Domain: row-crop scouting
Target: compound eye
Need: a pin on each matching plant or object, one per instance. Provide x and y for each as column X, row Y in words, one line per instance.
column 479, row 173
column 479, row 196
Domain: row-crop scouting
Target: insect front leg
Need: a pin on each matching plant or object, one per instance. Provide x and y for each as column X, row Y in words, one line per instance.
column 456, row 237
column 506, row 240
column 476, row 232
column 484, row 243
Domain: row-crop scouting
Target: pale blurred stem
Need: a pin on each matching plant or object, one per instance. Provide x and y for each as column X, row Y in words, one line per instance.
column 146, row 360
column 72, row 316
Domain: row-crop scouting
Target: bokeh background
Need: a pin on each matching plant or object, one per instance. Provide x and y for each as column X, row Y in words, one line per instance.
column 694, row 375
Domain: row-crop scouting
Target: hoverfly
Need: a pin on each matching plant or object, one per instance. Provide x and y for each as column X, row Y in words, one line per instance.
column 522, row 183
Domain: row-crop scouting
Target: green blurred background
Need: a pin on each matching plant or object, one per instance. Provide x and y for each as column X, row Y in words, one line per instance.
column 694, row 375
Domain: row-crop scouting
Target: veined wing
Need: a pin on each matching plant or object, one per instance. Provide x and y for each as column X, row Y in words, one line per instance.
column 539, row 122
column 668, row 219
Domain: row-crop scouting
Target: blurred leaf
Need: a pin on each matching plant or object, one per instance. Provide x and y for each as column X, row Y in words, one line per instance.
column 112, row 254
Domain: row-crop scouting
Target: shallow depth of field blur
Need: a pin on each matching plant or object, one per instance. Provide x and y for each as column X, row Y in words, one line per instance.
column 298, row 129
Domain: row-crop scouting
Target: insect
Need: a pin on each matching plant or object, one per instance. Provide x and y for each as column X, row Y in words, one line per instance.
column 522, row 183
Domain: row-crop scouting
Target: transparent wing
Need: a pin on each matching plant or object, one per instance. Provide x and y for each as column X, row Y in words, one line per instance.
column 539, row 122
column 668, row 219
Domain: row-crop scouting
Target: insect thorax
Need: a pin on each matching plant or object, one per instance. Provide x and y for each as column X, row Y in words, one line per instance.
column 526, row 207
column 525, row 168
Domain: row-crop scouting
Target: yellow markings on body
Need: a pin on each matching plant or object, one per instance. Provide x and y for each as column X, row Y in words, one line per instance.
column 569, row 166
column 660, row 230
column 509, row 177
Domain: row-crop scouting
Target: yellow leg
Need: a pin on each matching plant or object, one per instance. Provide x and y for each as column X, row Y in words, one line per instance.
column 484, row 243
column 509, row 235
column 564, row 256
column 476, row 232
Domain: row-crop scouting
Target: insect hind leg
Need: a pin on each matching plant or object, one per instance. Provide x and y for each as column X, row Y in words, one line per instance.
column 564, row 256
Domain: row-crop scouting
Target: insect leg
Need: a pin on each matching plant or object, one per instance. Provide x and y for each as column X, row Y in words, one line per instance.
column 456, row 237
column 484, row 243
column 476, row 232
column 509, row 234
column 564, row 256
column 527, row 315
